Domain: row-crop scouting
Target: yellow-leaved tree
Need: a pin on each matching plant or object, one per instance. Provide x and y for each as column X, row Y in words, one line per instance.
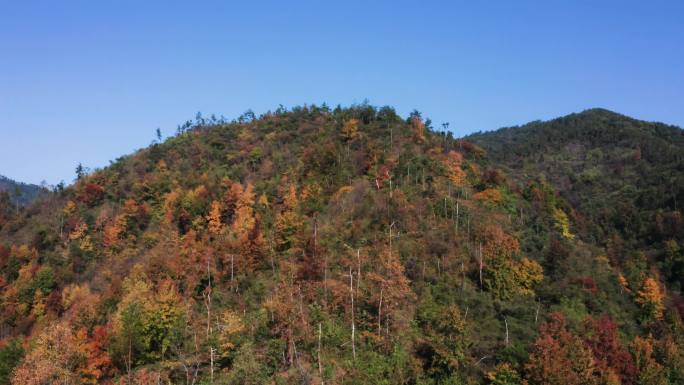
column 650, row 298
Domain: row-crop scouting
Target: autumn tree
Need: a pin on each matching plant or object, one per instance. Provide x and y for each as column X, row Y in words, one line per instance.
column 60, row 356
column 504, row 374
column 453, row 164
column 649, row 371
column 417, row 125
column 490, row 195
column 613, row 362
column 650, row 298
column 446, row 346
column 289, row 222
column 147, row 320
column 393, row 294
column 214, row 225
column 350, row 130
column 289, row 320
column 245, row 239
column 559, row 357
column 503, row 275
column 562, row 223
column 230, row 327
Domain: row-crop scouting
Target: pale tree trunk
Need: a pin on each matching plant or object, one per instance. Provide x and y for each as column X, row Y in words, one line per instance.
column 481, row 263
column 128, row 361
column 208, row 297
column 456, row 216
column 353, row 326
column 211, row 354
column 506, row 323
column 380, row 313
column 358, row 270
column 320, row 365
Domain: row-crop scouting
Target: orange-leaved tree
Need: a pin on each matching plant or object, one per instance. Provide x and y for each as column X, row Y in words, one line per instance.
column 559, row 357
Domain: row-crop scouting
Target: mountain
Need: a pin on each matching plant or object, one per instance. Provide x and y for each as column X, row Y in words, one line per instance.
column 623, row 178
column 23, row 193
column 354, row 246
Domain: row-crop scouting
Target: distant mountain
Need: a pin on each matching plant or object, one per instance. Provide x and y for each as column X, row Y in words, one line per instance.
column 622, row 177
column 24, row 193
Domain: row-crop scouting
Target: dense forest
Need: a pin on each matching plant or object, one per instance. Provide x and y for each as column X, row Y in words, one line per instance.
column 324, row 245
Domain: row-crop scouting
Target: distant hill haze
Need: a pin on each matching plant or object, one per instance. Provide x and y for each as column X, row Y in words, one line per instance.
column 355, row 246
column 23, row 193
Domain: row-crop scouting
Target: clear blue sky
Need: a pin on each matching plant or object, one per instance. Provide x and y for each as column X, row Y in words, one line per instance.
column 88, row 81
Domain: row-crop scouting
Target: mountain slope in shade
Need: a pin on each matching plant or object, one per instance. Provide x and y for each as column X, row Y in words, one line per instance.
column 23, row 193
column 354, row 246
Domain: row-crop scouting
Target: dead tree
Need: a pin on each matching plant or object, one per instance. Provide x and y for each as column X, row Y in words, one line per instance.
column 353, row 326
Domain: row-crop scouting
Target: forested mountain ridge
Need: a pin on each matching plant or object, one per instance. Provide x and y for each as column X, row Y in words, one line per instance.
column 337, row 246
column 623, row 178
column 17, row 192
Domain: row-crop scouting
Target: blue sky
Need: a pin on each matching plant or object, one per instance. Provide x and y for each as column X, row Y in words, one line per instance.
column 88, row 81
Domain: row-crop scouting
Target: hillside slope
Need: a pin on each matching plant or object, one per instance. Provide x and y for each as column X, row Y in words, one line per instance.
column 623, row 178
column 23, row 193
column 318, row 245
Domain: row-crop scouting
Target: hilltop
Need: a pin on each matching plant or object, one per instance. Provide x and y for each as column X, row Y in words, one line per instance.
column 355, row 246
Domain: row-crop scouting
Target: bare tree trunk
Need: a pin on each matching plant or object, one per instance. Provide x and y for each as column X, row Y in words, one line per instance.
column 128, row 361
column 481, row 263
column 320, row 365
column 353, row 326
column 325, row 281
column 463, row 276
column 315, row 234
column 208, row 297
column 456, row 216
column 380, row 313
column 506, row 323
column 270, row 246
column 358, row 270
column 211, row 354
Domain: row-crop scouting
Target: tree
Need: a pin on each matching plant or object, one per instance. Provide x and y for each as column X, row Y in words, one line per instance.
column 245, row 239
column 148, row 320
column 503, row 275
column 230, row 326
column 214, row 225
column 558, row 357
column 650, row 298
column 453, row 163
column 393, row 294
column 350, row 130
column 526, row 275
column 10, row 356
column 613, row 362
column 490, row 195
column 562, row 223
column 416, row 121
column 504, row 374
column 59, row 356
column 289, row 222
column 649, row 371
column 80, row 172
